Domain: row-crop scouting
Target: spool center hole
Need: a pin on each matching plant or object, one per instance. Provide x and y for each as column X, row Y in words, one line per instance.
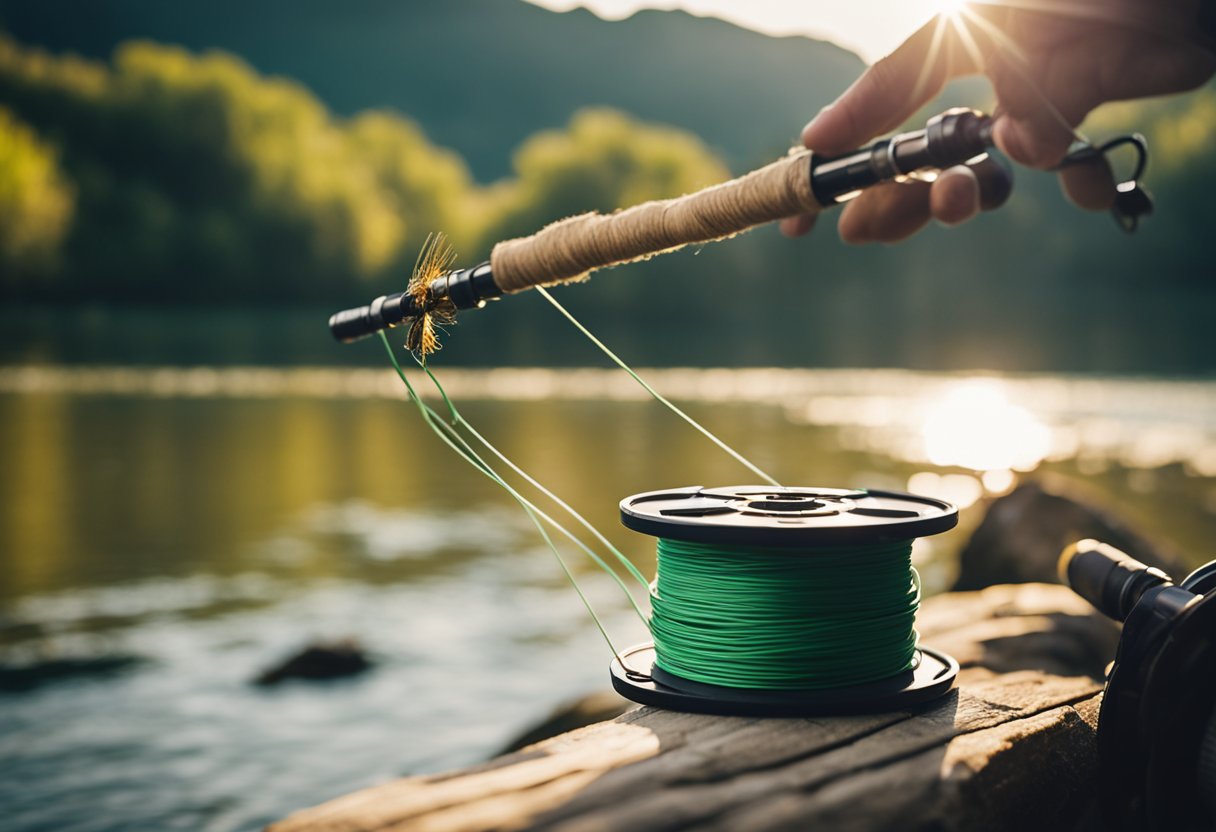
column 786, row 502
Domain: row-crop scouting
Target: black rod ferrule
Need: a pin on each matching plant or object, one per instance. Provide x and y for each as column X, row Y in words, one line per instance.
column 949, row 139
column 470, row 288
column 839, row 178
column 466, row 289
column 385, row 311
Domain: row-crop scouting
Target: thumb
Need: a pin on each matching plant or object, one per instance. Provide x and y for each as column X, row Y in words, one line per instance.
column 891, row 90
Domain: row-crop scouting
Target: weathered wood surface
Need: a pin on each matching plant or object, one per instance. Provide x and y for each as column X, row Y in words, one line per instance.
column 1011, row 748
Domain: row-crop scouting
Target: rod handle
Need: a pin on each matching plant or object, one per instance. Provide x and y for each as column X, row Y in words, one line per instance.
column 571, row 248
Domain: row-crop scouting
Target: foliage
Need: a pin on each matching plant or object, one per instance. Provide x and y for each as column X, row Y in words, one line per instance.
column 186, row 177
column 484, row 75
column 604, row 160
column 35, row 204
column 428, row 188
column 199, row 178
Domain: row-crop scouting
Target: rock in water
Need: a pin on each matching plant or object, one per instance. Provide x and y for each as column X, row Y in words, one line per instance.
column 19, row 678
column 1021, row 536
column 318, row 661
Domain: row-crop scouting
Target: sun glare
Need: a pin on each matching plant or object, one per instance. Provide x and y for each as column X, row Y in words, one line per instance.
column 950, row 8
column 973, row 425
column 871, row 29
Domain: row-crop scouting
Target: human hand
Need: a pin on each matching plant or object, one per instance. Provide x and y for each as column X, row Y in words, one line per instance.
column 1049, row 67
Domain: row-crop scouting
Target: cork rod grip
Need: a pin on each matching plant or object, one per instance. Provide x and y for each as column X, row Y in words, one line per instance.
column 571, row 248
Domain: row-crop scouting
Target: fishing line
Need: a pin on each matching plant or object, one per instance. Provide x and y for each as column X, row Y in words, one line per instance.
column 459, row 420
column 453, row 439
column 791, row 611
column 738, row 457
column 780, row 619
column 766, row 600
column 457, row 443
column 784, row 601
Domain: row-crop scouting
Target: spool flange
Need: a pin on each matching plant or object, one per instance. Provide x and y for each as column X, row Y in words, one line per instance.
column 640, row 681
column 802, row 519
column 764, row 515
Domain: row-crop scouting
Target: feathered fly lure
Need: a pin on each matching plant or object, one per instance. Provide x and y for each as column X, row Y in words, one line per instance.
column 435, row 259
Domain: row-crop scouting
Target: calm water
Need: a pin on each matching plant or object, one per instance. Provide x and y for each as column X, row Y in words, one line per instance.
column 201, row 524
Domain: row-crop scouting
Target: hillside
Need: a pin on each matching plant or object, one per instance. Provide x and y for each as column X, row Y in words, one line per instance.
column 482, row 75
column 251, row 167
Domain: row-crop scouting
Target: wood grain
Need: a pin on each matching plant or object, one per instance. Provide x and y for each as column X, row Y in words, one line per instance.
column 1010, row 748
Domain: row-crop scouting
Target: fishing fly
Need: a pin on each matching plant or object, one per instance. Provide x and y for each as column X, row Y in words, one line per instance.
column 435, row 259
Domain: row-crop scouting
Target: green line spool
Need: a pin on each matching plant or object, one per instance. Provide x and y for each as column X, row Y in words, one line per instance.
column 773, row 601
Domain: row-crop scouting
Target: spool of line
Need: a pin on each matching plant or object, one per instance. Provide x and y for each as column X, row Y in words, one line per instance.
column 784, row 601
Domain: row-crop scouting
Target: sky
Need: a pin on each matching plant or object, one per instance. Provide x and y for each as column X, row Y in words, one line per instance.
column 871, row 28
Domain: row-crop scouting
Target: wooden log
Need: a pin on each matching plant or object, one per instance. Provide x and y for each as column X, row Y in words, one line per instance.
column 1011, row 746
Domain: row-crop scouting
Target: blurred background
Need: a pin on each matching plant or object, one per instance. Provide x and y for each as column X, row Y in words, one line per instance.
column 197, row 482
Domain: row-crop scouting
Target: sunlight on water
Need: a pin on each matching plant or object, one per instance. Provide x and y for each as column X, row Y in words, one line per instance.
column 973, row 425
column 987, row 425
column 997, row 425
column 961, row 489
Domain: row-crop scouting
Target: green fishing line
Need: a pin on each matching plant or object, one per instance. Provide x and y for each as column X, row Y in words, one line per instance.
column 655, row 394
column 456, row 442
column 459, row 420
column 784, row 619
column 447, row 432
column 742, row 617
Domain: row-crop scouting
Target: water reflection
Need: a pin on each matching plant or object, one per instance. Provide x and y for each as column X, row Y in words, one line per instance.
column 963, row 490
column 114, row 473
column 973, row 425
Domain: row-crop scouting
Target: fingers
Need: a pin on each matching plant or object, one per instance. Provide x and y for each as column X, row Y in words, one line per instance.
column 995, row 181
column 955, row 196
column 891, row 90
column 1042, row 100
column 797, row 226
column 893, row 212
column 886, row 213
column 1090, row 184
column 1036, row 140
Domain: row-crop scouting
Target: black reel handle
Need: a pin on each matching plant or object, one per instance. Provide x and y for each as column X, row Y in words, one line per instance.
column 384, row 312
column 1107, row 578
column 361, row 321
column 1156, row 738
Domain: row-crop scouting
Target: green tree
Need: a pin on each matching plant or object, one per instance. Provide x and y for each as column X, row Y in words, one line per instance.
column 602, row 161
column 35, row 204
column 196, row 177
column 429, row 188
column 199, row 178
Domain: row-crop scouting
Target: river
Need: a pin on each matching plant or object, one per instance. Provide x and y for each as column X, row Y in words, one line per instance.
column 184, row 528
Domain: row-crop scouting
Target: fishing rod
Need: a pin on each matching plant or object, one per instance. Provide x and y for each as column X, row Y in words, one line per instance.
column 801, row 183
